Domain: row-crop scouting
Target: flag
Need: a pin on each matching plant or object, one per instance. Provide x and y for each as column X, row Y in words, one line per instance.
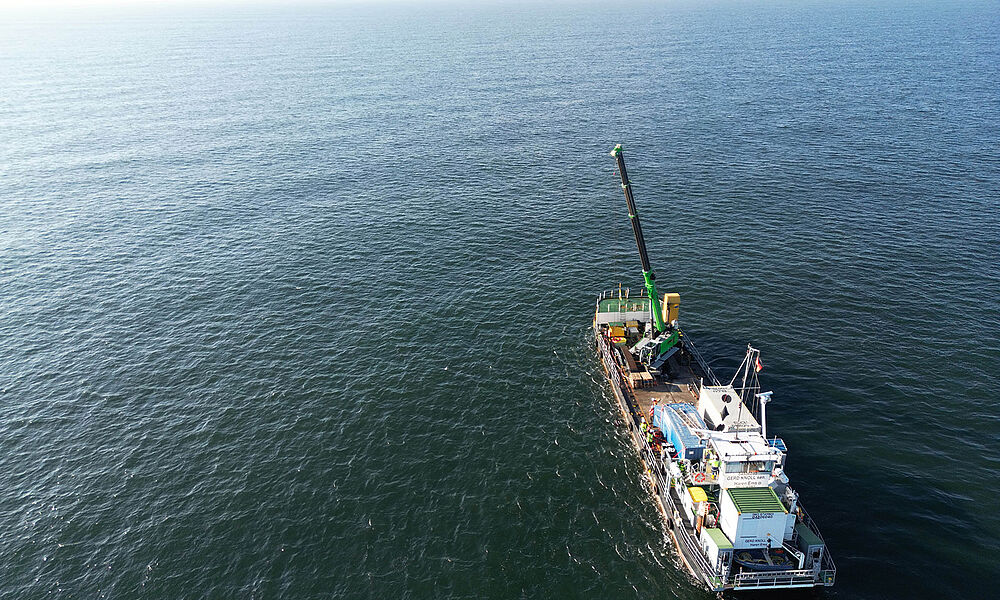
column 757, row 368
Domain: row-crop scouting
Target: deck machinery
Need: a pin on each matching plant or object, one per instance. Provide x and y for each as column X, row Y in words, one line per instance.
column 720, row 481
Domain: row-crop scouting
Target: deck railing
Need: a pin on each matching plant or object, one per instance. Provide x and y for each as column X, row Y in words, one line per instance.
column 663, row 487
column 829, row 567
column 810, row 523
column 612, row 293
column 766, row 579
column 707, row 370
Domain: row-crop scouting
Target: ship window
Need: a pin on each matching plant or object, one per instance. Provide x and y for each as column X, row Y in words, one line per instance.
column 760, row 466
column 735, row 467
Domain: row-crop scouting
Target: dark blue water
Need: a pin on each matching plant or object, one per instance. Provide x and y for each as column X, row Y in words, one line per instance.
column 294, row 301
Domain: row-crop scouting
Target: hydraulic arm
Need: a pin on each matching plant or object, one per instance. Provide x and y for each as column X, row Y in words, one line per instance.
column 647, row 271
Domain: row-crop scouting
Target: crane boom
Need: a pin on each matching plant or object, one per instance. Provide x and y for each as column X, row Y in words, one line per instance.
column 640, row 242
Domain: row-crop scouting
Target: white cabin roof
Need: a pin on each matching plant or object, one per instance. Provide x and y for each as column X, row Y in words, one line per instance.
column 721, row 404
column 740, row 447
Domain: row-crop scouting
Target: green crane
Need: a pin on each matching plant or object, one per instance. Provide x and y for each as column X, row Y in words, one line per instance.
column 647, row 271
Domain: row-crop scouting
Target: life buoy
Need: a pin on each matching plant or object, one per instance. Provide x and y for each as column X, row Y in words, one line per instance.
column 699, row 478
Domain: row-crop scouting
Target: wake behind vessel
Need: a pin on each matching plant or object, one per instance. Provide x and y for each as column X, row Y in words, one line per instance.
column 719, row 479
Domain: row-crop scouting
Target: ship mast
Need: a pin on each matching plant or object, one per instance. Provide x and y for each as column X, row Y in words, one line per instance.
column 647, row 271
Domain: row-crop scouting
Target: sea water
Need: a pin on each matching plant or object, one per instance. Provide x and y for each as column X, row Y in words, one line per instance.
column 295, row 300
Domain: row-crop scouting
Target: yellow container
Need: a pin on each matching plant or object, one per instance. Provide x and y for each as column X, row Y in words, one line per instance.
column 671, row 306
column 617, row 331
column 697, row 494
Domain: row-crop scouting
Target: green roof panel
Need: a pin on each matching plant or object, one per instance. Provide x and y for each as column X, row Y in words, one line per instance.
column 756, row 500
column 719, row 538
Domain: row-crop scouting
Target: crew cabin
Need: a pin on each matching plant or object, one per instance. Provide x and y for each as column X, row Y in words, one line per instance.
column 744, row 460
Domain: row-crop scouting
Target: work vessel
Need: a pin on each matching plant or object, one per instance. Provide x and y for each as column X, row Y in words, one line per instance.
column 716, row 474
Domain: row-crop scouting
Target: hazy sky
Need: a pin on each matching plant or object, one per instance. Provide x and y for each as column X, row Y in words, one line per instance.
column 24, row 4
column 81, row 3
column 48, row 5
column 30, row 5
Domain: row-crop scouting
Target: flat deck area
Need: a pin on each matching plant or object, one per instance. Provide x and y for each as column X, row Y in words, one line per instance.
column 683, row 387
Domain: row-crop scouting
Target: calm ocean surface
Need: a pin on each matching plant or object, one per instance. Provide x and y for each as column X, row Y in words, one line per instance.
column 295, row 301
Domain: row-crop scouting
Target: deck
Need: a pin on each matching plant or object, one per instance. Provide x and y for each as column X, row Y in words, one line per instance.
column 682, row 387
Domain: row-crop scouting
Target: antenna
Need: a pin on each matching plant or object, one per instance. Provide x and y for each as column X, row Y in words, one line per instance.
column 739, row 419
column 764, row 398
column 750, row 382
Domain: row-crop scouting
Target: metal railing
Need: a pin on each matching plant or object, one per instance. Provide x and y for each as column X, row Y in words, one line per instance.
column 766, row 579
column 614, row 292
column 828, row 566
column 808, row 521
column 707, row 370
column 663, row 487
column 612, row 367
